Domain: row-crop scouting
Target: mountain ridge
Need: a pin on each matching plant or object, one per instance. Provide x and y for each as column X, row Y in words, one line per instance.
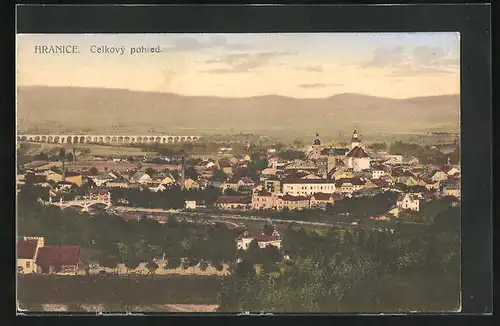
column 75, row 109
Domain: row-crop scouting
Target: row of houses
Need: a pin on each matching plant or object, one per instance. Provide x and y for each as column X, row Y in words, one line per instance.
column 264, row 200
column 34, row 257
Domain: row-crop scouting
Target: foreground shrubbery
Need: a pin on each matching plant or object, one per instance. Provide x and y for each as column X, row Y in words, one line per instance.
column 355, row 270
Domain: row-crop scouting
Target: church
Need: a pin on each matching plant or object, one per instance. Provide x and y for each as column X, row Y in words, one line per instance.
column 314, row 151
column 357, row 158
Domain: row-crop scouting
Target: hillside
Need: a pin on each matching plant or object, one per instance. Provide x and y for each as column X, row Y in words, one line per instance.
column 60, row 109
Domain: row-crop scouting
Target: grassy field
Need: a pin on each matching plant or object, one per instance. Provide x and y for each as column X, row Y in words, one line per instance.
column 122, row 290
column 95, row 149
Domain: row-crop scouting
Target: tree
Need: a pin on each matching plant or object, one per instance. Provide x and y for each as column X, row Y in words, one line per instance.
column 131, row 263
column 150, row 171
column 93, row 171
column 191, row 173
column 173, row 263
column 219, row 175
column 377, row 147
column 109, row 262
column 152, row 267
column 268, row 228
column 203, row 265
column 252, row 254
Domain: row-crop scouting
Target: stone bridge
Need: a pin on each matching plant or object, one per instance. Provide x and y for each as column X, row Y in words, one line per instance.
column 84, row 202
column 105, row 139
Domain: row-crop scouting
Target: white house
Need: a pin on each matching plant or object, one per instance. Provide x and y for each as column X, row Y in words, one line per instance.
column 357, row 158
column 141, row 177
column 409, row 201
column 304, row 187
column 377, row 174
column 439, row 175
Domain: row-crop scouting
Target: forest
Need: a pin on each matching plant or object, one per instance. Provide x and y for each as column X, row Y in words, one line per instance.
column 414, row 269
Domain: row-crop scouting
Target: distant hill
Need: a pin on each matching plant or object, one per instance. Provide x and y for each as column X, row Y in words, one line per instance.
column 60, row 109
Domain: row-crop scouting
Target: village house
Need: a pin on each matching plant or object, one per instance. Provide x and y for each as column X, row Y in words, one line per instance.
column 438, row 175
column 118, row 183
column 101, row 179
column 408, row 179
column 377, row 174
column 291, row 202
column 321, row 200
column 272, row 184
column 233, row 202
column 409, row 201
column 301, row 165
column 63, row 186
column 243, row 242
column 190, row 184
column 349, row 186
column 226, row 167
column 58, row 259
column 190, row 204
column 167, row 179
column 342, row 173
column 245, row 183
column 299, row 187
column 263, row 200
column 453, row 191
column 34, row 257
column 230, row 184
column 27, row 250
column 141, row 177
column 156, row 187
column 73, row 177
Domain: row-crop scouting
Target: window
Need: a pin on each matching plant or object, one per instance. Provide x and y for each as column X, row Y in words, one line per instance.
column 28, row 264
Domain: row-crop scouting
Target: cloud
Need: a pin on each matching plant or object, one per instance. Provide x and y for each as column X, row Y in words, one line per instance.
column 423, row 60
column 311, row 68
column 243, row 62
column 318, row 85
column 214, row 42
column 386, row 58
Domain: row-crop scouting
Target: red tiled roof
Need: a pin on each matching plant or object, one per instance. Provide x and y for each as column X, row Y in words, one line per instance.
column 263, row 193
column 26, row 249
column 246, row 180
column 357, row 152
column 224, row 164
column 322, row 196
column 63, row 255
column 293, row 198
column 307, row 181
column 233, row 200
column 265, row 238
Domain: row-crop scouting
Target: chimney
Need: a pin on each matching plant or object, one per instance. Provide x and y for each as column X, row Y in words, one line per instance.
column 183, row 171
column 63, row 171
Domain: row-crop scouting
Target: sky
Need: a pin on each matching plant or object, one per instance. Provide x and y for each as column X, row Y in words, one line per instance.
column 301, row 65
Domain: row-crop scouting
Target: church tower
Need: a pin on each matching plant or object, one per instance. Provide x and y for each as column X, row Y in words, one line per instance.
column 355, row 142
column 315, row 150
column 317, row 141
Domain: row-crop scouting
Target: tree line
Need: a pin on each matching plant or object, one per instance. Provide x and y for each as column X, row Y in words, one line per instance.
column 355, row 270
column 109, row 239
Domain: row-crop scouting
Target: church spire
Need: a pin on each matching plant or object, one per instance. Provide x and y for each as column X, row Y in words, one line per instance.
column 317, row 141
column 355, row 142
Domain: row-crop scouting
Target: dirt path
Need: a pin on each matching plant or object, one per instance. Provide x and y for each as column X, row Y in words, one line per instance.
column 192, row 307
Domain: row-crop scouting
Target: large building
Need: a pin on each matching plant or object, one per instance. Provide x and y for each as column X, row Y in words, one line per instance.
column 357, row 158
column 308, row 187
column 314, row 151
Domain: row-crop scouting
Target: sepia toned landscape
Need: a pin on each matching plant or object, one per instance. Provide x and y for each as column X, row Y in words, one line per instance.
column 182, row 173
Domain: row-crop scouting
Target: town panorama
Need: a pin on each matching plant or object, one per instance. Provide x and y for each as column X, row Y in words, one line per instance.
column 131, row 198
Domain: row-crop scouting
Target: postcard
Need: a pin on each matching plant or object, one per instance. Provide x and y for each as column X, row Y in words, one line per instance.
column 240, row 173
